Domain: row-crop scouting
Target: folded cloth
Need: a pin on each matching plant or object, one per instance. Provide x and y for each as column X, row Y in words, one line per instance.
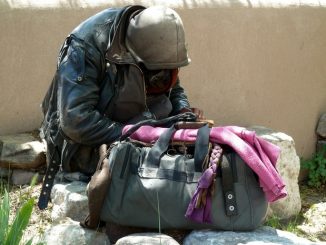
column 260, row 155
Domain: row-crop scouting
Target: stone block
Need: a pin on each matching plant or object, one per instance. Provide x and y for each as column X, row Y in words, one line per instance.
column 21, row 151
column 147, row 238
column 5, row 173
column 262, row 235
column 69, row 232
column 288, row 166
column 23, row 177
column 69, row 200
column 315, row 223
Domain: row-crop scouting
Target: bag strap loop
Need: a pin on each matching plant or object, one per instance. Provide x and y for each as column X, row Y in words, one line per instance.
column 159, row 148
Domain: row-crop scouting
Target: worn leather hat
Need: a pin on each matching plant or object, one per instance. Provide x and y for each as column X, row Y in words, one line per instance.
column 156, row 38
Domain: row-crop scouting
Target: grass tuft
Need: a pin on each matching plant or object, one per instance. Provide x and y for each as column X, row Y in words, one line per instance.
column 11, row 234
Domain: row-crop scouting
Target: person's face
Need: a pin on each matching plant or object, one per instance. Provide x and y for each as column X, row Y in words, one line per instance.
column 159, row 81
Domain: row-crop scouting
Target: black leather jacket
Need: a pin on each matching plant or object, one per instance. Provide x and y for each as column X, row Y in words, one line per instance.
column 78, row 105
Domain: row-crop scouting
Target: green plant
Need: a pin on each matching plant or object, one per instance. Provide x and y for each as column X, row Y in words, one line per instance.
column 3, row 187
column 274, row 222
column 11, row 234
column 317, row 168
column 285, row 224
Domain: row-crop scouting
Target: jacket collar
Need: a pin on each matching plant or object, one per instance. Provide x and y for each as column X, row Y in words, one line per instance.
column 116, row 51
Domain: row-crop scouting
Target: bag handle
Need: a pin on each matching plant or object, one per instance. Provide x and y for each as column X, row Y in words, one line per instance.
column 161, row 145
column 201, row 147
column 167, row 122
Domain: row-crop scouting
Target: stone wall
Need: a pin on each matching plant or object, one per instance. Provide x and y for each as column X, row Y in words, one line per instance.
column 253, row 62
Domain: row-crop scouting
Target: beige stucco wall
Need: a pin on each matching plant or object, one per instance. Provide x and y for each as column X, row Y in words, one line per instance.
column 252, row 63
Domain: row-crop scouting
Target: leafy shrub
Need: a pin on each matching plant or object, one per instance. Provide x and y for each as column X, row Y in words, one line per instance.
column 317, row 168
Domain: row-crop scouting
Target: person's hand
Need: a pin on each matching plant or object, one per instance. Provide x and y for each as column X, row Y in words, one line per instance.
column 199, row 115
column 198, row 112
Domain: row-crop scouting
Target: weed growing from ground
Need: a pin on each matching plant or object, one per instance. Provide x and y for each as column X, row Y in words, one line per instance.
column 12, row 233
column 289, row 225
column 317, row 168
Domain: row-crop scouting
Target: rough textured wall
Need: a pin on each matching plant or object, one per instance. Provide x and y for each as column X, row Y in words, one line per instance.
column 250, row 65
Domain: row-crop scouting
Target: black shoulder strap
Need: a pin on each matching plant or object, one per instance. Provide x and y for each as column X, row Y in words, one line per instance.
column 52, row 169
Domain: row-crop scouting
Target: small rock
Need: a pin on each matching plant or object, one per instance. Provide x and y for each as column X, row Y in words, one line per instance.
column 69, row 232
column 288, row 166
column 5, row 173
column 69, row 200
column 315, row 223
column 23, row 177
column 262, row 235
column 147, row 238
column 321, row 127
column 21, row 151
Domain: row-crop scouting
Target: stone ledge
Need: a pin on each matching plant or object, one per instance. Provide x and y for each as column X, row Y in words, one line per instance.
column 21, row 151
column 262, row 235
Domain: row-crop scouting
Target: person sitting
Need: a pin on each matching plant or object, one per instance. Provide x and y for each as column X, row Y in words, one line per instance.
column 118, row 67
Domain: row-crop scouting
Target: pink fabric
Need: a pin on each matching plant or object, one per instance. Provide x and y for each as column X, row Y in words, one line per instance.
column 259, row 154
column 202, row 213
column 200, row 205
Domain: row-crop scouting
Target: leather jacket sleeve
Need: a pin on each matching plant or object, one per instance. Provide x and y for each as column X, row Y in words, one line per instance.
column 178, row 98
column 78, row 97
